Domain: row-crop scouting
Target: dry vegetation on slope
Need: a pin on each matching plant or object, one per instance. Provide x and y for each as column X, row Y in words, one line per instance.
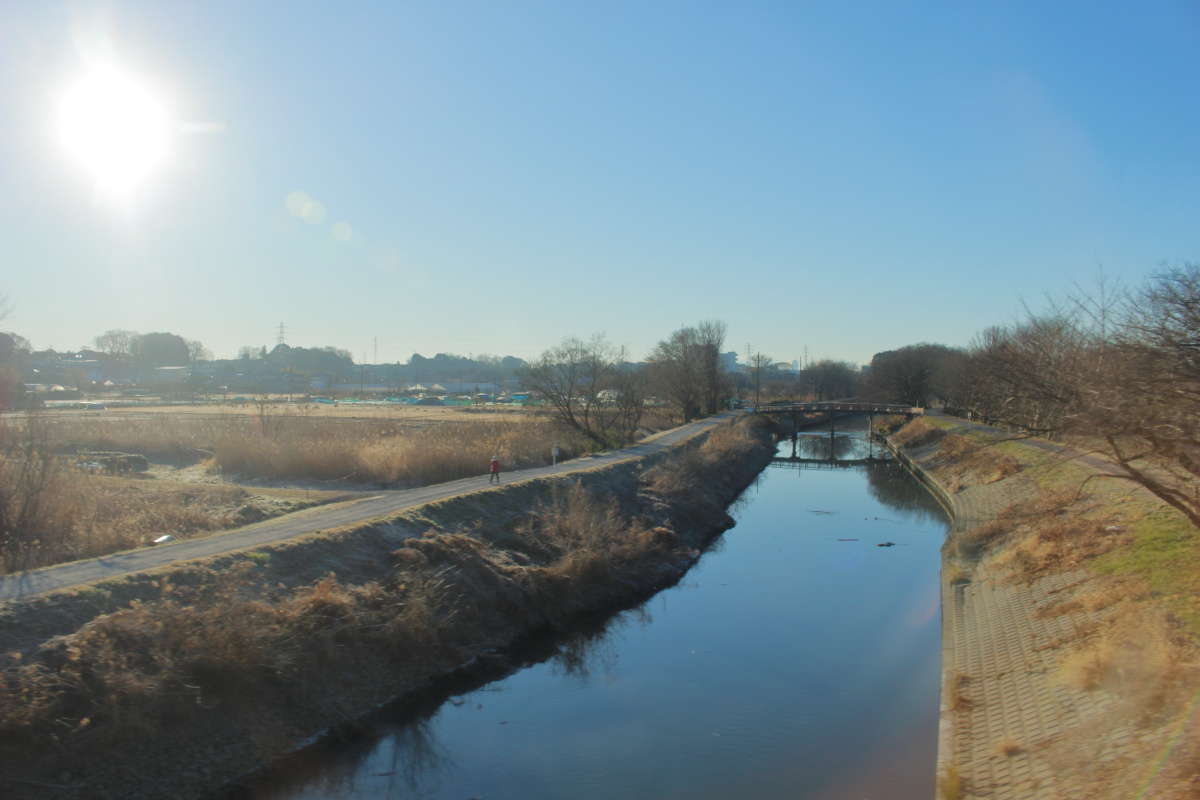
column 1135, row 641
column 51, row 512
column 222, row 664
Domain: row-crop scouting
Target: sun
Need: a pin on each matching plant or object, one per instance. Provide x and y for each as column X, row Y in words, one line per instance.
column 115, row 128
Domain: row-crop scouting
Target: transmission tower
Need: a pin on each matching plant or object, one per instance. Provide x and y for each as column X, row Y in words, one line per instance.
column 280, row 338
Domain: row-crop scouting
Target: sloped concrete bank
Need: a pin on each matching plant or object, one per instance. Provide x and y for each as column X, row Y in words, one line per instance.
column 213, row 668
column 1037, row 700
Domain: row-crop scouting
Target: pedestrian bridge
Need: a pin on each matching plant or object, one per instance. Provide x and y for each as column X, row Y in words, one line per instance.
column 837, row 406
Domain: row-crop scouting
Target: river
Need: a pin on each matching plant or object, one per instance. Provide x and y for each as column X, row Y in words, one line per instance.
column 797, row 659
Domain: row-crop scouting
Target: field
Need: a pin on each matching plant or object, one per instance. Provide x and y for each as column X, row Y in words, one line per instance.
column 213, row 468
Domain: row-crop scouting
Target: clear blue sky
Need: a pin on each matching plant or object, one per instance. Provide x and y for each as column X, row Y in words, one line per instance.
column 842, row 177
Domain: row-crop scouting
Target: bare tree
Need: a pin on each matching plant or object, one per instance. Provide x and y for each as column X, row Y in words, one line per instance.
column 758, row 363
column 116, row 342
column 908, row 374
column 710, row 339
column 197, row 351
column 29, row 509
column 1118, row 371
column 589, row 388
column 1145, row 401
column 676, row 370
column 1034, row 372
column 829, row 379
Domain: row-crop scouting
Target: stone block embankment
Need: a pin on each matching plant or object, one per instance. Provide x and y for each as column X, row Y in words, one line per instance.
column 1008, row 723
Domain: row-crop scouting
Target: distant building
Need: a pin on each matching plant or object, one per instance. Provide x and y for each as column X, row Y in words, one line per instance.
column 172, row 375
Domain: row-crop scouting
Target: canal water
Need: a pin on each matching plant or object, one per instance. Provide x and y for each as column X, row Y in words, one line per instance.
column 797, row 659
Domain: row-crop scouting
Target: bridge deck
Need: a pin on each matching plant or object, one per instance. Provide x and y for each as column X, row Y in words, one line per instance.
column 843, row 406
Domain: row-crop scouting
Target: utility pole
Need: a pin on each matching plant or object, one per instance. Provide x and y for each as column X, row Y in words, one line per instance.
column 756, row 362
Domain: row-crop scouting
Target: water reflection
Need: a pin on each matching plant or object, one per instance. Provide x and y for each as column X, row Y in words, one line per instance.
column 797, row 659
column 842, row 447
column 396, row 752
column 892, row 485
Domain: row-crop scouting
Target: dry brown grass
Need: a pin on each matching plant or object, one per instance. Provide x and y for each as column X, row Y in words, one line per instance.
column 50, row 512
column 1009, row 747
column 1057, row 544
column 955, row 573
column 886, row 424
column 971, row 462
column 238, row 644
column 297, row 446
column 696, row 466
column 1137, row 655
column 918, row 433
column 88, row 515
column 957, row 698
column 1059, row 530
column 951, row 785
column 973, row 542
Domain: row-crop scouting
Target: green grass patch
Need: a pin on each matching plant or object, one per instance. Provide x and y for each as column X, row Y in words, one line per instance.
column 1165, row 553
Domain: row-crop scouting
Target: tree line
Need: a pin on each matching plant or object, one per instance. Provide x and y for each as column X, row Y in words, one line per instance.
column 594, row 389
column 1115, row 370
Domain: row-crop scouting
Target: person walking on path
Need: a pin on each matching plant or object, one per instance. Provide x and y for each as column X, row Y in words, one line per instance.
column 494, row 469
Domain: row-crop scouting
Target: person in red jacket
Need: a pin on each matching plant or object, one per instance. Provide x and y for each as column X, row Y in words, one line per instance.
column 494, row 469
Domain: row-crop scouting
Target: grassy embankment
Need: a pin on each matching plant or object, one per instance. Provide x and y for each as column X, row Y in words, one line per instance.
column 215, row 666
column 1141, row 559
column 58, row 513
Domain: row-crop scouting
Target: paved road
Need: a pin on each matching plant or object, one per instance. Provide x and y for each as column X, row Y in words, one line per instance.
column 35, row 582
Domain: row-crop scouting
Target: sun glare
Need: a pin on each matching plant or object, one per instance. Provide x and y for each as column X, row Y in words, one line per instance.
column 115, row 128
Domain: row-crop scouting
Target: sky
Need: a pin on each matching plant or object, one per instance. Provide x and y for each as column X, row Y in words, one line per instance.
column 483, row 177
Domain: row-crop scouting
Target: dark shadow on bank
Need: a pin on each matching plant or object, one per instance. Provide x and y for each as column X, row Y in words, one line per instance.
column 333, row 765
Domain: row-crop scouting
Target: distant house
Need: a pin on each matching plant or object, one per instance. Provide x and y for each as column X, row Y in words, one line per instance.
column 172, row 375
column 465, row 387
column 89, row 368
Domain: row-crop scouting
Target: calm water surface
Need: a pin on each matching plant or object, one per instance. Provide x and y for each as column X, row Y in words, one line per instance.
column 787, row 663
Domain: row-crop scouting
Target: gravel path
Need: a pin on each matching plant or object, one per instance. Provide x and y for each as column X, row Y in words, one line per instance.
column 35, row 582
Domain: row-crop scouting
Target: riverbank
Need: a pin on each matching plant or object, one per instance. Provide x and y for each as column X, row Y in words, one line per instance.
column 221, row 664
column 737, row 681
column 1070, row 623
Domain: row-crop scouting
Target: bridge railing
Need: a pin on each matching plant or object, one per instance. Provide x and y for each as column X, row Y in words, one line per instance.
column 866, row 408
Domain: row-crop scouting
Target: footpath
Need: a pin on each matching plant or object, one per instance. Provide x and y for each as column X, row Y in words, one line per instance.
column 29, row 584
